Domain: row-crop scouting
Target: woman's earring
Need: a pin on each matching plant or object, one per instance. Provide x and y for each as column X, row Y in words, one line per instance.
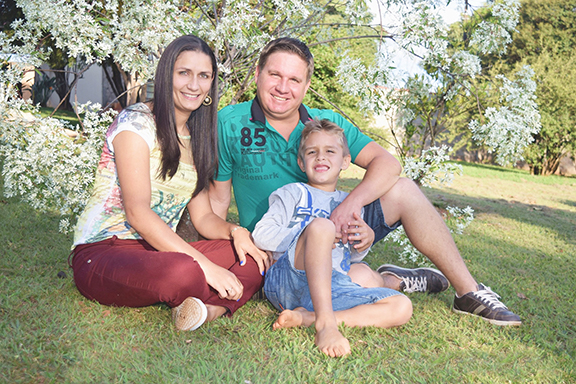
column 207, row 101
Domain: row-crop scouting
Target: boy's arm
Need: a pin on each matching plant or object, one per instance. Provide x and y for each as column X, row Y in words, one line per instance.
column 357, row 256
column 272, row 232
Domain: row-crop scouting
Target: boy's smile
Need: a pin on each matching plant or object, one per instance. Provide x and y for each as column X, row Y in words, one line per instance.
column 323, row 160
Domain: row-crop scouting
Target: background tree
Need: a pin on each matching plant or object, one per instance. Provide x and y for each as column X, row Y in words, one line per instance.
column 446, row 90
column 61, row 67
column 546, row 40
column 355, row 72
column 9, row 12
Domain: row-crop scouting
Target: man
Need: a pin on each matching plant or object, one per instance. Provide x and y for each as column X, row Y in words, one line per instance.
column 258, row 145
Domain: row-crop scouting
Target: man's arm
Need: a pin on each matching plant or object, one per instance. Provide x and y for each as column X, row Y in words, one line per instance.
column 382, row 172
column 220, row 195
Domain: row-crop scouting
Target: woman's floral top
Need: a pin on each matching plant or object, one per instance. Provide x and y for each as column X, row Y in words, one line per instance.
column 104, row 215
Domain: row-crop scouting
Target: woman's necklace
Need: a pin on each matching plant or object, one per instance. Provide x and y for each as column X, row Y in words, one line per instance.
column 184, row 137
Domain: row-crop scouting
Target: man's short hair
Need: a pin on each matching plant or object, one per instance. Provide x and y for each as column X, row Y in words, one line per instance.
column 290, row 45
column 322, row 126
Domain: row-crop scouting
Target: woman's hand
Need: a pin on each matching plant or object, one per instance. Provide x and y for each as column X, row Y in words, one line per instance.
column 359, row 233
column 223, row 281
column 244, row 245
column 214, row 227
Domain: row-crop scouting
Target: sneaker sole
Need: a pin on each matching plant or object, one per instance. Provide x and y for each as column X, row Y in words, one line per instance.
column 408, row 269
column 199, row 305
column 491, row 321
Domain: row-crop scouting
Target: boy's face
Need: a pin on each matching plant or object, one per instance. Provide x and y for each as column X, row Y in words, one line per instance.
column 323, row 160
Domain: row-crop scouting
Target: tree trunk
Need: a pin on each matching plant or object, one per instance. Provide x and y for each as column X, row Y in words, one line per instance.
column 62, row 88
column 134, row 87
column 114, row 77
column 186, row 229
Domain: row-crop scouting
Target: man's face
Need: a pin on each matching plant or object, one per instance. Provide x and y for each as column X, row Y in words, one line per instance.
column 282, row 85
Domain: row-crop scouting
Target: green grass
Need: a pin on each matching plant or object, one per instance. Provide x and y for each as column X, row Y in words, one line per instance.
column 521, row 244
column 68, row 116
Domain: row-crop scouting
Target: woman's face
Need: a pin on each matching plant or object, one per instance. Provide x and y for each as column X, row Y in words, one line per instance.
column 192, row 79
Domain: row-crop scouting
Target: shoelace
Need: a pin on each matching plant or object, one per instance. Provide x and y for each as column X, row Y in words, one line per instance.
column 490, row 298
column 415, row 284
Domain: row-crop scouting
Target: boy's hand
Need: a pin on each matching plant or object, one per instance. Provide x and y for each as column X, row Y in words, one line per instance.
column 337, row 239
column 359, row 233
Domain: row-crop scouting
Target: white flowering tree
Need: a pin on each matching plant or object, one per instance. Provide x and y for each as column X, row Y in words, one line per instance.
column 446, row 91
column 132, row 33
column 452, row 90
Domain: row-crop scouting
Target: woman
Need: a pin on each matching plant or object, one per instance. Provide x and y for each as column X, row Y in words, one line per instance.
column 158, row 158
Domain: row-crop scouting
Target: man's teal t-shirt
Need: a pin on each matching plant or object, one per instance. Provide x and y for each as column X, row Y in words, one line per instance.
column 259, row 160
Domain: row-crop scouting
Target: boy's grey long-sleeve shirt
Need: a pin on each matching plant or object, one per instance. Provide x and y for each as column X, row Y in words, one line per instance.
column 291, row 208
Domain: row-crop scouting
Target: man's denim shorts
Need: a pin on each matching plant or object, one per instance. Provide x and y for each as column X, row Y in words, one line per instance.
column 374, row 217
column 287, row 288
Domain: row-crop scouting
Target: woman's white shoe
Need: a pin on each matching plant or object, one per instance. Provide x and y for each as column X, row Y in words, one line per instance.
column 189, row 315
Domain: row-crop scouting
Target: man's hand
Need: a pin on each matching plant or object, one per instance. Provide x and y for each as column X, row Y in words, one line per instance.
column 343, row 215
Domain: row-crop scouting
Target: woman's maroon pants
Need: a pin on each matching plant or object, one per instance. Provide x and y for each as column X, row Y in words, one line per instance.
column 130, row 273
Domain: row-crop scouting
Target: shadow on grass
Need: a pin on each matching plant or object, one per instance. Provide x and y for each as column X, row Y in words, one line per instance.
column 515, row 171
column 560, row 221
column 571, row 203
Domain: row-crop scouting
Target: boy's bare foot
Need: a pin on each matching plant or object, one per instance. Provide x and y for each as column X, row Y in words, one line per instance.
column 299, row 317
column 328, row 339
column 332, row 342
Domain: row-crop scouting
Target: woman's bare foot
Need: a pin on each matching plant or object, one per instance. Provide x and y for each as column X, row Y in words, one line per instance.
column 215, row 311
column 299, row 317
column 332, row 342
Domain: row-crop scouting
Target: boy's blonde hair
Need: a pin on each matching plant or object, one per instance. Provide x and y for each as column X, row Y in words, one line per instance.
column 322, row 126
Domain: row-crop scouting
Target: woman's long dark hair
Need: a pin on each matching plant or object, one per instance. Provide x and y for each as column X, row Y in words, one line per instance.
column 202, row 123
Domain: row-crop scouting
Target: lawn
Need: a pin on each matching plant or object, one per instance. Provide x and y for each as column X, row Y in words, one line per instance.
column 68, row 116
column 522, row 244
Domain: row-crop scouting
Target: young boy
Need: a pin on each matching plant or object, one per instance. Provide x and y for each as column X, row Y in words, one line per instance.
column 310, row 281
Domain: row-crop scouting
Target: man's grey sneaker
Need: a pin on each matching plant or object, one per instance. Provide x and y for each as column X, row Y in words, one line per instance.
column 417, row 280
column 486, row 304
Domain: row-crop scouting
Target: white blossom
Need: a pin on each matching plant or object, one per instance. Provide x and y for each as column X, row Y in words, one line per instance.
column 466, row 64
column 289, row 8
column 511, row 127
column 423, row 30
column 457, row 219
column 432, row 167
column 494, row 36
column 409, row 254
column 368, row 83
column 48, row 164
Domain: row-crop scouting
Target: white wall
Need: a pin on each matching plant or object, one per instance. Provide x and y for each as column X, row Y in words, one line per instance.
column 88, row 87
